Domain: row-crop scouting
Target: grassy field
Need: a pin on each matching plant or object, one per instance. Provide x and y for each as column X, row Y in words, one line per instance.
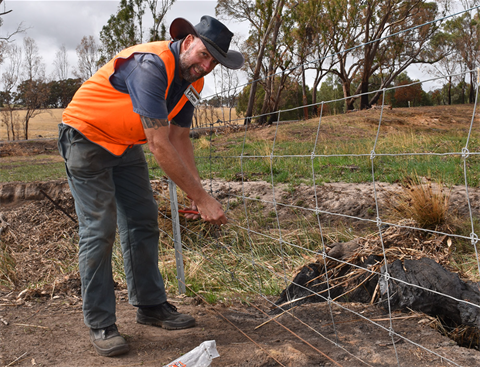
column 423, row 141
column 44, row 125
column 411, row 143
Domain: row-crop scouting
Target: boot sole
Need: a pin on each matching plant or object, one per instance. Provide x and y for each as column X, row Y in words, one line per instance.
column 111, row 352
column 145, row 320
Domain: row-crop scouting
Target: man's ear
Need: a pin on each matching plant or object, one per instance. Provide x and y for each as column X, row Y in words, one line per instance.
column 187, row 42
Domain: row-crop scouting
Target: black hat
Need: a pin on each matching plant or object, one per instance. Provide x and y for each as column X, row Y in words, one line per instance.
column 215, row 36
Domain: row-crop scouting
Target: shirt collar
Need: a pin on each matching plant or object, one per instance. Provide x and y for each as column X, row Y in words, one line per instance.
column 175, row 48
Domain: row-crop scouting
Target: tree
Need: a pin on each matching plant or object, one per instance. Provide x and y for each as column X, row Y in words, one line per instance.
column 33, row 91
column 309, row 16
column 61, row 63
column 32, row 63
column 32, row 95
column 227, row 82
column 159, row 10
column 125, row 28
column 409, row 93
column 5, row 38
column 291, row 98
column 331, row 91
column 88, row 54
column 10, row 80
column 348, row 24
column 465, row 33
column 444, row 44
column 408, row 96
column 406, row 48
column 120, row 32
column 262, row 16
column 305, row 15
column 61, row 92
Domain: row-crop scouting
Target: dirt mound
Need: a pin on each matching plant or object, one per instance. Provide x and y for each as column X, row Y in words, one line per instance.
column 28, row 147
column 14, row 193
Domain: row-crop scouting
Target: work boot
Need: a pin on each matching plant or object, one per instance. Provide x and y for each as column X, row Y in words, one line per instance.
column 164, row 315
column 108, row 342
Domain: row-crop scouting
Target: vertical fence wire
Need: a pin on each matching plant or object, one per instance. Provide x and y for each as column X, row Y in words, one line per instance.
column 279, row 236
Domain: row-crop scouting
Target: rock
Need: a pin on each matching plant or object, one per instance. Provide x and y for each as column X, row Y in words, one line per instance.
column 429, row 276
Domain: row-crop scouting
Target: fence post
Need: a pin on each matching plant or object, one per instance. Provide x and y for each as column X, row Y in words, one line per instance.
column 177, row 239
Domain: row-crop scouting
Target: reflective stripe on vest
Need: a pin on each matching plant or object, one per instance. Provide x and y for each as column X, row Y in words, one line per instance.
column 105, row 116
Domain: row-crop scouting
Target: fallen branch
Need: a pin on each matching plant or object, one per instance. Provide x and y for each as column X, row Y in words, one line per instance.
column 58, row 206
column 18, row 359
column 29, row 325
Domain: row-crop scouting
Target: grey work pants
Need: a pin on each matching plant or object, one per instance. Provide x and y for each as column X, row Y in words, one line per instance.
column 110, row 191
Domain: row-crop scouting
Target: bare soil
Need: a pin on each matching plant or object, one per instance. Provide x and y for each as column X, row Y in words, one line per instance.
column 51, row 333
column 44, row 326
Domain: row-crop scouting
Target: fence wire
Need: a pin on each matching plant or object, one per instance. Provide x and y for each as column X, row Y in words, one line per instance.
column 241, row 252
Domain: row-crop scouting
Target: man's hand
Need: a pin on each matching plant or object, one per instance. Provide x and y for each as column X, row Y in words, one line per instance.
column 211, row 210
column 173, row 151
column 192, row 207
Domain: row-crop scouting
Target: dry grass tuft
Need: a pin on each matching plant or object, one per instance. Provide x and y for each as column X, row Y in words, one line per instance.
column 7, row 266
column 204, row 142
column 422, row 200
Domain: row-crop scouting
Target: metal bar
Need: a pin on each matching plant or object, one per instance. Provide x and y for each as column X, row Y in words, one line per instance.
column 177, row 239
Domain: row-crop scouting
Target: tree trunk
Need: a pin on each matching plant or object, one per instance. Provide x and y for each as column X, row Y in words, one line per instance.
column 304, row 94
column 315, row 87
column 449, row 90
column 471, row 97
column 261, row 52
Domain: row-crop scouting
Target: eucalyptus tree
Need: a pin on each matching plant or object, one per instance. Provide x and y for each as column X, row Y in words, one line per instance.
column 377, row 36
column 125, row 28
column 464, row 31
column 121, row 31
column 10, row 79
column 61, row 64
column 444, row 43
column 5, row 38
column 88, row 54
column 413, row 28
column 312, row 51
column 33, row 90
column 158, row 9
column 262, row 16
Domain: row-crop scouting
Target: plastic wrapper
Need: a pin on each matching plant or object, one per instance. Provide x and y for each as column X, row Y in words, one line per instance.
column 201, row 356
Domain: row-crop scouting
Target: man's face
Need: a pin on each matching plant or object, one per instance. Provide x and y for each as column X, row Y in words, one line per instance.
column 195, row 60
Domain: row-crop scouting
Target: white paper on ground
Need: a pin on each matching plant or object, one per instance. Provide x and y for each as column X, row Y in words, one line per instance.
column 200, row 356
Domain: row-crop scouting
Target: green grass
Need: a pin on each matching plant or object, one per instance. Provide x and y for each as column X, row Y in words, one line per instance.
column 32, row 168
column 235, row 262
column 348, row 161
column 343, row 155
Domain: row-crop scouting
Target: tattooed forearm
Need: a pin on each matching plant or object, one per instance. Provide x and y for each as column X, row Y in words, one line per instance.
column 149, row 123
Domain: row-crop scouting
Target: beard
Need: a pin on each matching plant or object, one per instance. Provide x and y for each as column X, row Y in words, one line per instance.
column 187, row 69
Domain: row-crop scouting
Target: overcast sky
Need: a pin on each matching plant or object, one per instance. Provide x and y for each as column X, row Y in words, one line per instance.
column 65, row 22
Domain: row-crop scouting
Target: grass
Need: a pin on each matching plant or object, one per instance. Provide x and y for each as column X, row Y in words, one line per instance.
column 339, row 160
column 422, row 200
column 32, row 168
column 7, row 266
column 217, row 264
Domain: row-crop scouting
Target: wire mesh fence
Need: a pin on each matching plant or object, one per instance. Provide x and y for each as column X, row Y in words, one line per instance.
column 341, row 212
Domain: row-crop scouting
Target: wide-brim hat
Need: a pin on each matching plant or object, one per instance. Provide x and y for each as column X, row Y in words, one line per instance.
column 215, row 36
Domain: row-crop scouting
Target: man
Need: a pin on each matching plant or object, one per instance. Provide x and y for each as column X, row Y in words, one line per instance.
column 143, row 95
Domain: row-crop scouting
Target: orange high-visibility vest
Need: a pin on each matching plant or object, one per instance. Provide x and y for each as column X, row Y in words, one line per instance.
column 105, row 116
